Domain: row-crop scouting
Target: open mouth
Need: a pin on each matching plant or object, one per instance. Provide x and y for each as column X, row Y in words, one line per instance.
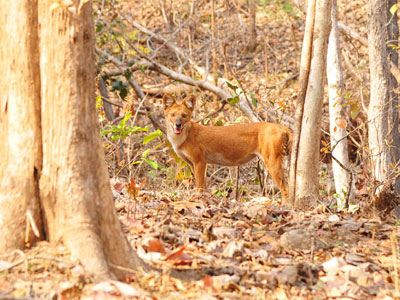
column 177, row 130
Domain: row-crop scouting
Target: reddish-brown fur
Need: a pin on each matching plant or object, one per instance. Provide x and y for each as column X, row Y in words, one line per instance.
column 225, row 145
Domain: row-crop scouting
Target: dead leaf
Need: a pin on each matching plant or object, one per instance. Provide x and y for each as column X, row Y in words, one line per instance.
column 135, row 225
column 119, row 186
column 341, row 122
column 116, row 288
column 179, row 257
column 154, row 245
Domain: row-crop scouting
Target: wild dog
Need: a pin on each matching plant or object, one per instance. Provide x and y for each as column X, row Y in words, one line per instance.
column 232, row 145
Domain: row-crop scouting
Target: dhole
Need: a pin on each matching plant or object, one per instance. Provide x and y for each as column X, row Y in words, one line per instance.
column 225, row 145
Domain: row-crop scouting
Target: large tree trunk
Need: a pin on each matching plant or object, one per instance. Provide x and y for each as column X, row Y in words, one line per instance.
column 307, row 180
column 20, row 136
column 74, row 190
column 383, row 114
column 337, row 113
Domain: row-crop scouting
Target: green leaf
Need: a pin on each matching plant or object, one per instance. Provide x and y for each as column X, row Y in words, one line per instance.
column 231, row 86
column 152, row 163
column 144, row 154
column 394, row 9
column 234, row 100
column 148, row 138
column 143, row 68
column 108, row 129
column 123, row 93
column 128, row 114
column 115, row 136
column 219, row 123
column 104, row 132
column 130, row 129
column 354, row 110
column 116, row 84
column 99, row 27
column 253, row 100
column 238, row 119
column 128, row 74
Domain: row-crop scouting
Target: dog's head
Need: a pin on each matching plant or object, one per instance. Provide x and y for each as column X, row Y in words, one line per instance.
column 178, row 114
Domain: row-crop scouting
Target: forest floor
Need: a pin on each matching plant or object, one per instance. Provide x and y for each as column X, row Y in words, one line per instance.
column 212, row 246
column 205, row 247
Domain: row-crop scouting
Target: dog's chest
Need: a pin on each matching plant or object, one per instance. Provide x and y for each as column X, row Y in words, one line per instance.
column 177, row 142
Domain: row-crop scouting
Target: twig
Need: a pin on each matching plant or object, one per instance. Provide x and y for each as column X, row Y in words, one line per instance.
column 26, row 259
column 9, row 297
column 352, row 33
column 180, row 54
column 111, row 102
column 17, row 263
column 341, row 165
column 212, row 113
column 237, row 184
column 283, row 81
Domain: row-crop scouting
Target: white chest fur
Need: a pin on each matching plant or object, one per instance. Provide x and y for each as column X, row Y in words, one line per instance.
column 176, row 140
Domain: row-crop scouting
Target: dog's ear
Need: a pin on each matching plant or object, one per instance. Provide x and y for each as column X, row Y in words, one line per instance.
column 168, row 100
column 190, row 101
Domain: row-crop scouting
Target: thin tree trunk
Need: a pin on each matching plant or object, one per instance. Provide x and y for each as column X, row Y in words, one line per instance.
column 214, row 41
column 383, row 111
column 253, row 33
column 20, row 149
column 307, row 180
column 393, row 38
column 337, row 112
column 305, row 65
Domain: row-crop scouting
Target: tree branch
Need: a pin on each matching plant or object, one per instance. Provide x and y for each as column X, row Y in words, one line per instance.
column 133, row 83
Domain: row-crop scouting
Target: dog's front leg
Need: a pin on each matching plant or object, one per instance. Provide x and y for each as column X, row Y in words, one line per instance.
column 199, row 173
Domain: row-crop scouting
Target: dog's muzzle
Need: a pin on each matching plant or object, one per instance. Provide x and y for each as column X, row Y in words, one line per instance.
column 178, row 128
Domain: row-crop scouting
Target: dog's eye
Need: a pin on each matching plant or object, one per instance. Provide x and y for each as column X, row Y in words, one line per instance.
column 173, row 115
column 184, row 115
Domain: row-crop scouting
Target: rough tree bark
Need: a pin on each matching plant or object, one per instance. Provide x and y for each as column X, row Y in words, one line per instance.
column 383, row 114
column 307, row 180
column 20, row 135
column 70, row 178
column 337, row 112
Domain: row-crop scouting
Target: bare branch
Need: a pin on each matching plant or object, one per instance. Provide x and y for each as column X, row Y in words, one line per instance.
column 133, row 83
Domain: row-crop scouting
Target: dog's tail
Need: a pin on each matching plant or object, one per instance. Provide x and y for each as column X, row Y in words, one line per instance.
column 287, row 141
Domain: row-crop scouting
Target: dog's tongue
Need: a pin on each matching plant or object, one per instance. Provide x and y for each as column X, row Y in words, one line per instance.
column 178, row 130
